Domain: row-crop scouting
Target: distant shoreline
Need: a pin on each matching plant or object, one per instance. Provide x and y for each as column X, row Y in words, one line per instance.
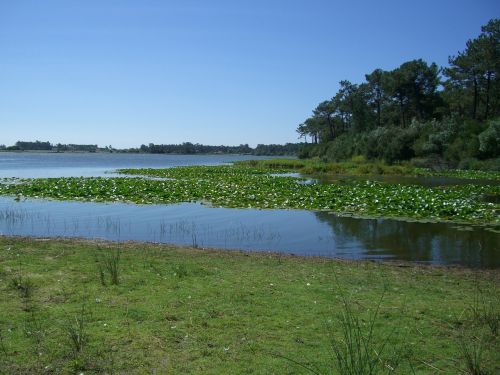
column 186, row 148
column 131, row 152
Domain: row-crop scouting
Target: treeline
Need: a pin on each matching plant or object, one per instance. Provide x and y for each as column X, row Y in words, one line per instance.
column 190, row 148
column 194, row 148
column 47, row 146
column 35, row 146
column 417, row 111
column 275, row 149
column 76, row 148
column 184, row 148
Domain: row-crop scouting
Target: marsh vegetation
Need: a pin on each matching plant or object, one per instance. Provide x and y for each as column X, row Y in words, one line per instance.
column 243, row 187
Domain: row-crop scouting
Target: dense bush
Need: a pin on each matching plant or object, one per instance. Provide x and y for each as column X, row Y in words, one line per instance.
column 489, row 140
column 485, row 165
column 434, row 136
column 345, row 146
column 447, row 143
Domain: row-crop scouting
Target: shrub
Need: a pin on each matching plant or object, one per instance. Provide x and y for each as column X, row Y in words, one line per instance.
column 433, row 136
column 345, row 146
column 489, row 140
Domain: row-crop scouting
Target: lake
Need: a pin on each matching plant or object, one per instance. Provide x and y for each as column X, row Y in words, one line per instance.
column 286, row 231
column 45, row 164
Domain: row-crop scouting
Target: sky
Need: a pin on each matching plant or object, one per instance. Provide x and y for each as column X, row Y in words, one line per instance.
column 125, row 73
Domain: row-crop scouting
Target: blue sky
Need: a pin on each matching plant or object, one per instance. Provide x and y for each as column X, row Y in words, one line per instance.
column 123, row 73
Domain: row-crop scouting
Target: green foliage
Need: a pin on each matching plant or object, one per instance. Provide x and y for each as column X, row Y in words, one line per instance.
column 492, row 165
column 489, row 140
column 398, row 114
column 390, row 144
column 434, row 136
column 346, row 146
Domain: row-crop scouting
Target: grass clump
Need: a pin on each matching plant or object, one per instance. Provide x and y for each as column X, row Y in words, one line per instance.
column 108, row 261
column 24, row 285
column 472, row 349
column 358, row 352
column 76, row 330
column 356, row 343
column 485, row 310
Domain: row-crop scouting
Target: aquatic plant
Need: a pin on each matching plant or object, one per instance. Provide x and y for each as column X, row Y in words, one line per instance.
column 238, row 187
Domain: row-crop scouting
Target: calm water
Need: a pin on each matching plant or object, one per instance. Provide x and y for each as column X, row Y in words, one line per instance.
column 287, row 231
column 27, row 164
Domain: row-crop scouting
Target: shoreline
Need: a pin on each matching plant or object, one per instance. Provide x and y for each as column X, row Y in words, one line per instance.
column 258, row 254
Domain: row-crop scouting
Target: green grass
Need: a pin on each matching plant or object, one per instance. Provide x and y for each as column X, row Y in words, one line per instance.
column 191, row 311
column 315, row 167
column 360, row 167
column 460, row 173
column 229, row 186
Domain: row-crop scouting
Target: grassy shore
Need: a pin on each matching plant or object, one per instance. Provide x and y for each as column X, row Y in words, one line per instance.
column 70, row 306
column 360, row 167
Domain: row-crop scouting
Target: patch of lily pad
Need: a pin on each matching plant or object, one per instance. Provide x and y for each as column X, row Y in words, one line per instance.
column 241, row 187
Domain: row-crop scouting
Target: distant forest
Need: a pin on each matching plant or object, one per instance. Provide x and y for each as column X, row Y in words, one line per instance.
column 184, row 148
column 417, row 112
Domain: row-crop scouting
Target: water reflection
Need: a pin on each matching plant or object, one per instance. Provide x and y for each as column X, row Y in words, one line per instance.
column 287, row 231
column 422, row 242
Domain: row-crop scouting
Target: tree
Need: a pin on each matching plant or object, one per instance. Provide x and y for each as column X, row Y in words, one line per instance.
column 312, row 127
column 323, row 114
column 489, row 56
column 413, row 86
column 375, row 91
column 474, row 72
